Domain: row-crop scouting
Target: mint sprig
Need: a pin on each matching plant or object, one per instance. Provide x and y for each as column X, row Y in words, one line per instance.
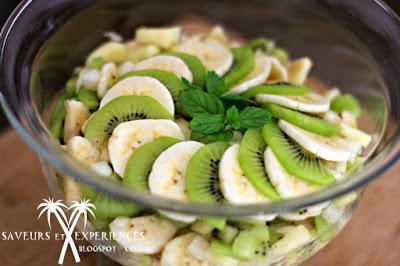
column 197, row 102
column 208, row 124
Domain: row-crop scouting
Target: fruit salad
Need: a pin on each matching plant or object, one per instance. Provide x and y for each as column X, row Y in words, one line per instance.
column 211, row 120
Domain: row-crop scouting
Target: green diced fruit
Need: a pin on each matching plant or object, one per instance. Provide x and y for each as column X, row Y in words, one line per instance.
column 88, row 98
column 281, row 54
column 70, row 87
column 202, row 228
column 346, row 102
column 324, row 230
column 141, row 161
column 97, row 63
column 57, row 118
column 243, row 65
column 261, row 43
column 215, row 222
column 220, row 247
column 277, row 89
column 294, row 159
column 307, row 122
column 251, row 244
column 228, row 234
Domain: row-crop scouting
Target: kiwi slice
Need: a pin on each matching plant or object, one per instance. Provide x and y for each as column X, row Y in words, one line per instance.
column 251, row 160
column 294, row 159
column 122, row 109
column 141, row 161
column 261, row 43
column 346, row 102
column 307, row 122
column 88, row 98
column 251, row 244
column 57, row 117
column 97, row 63
column 70, row 87
column 243, row 64
column 281, row 54
column 281, row 88
column 194, row 64
column 222, row 248
column 325, row 231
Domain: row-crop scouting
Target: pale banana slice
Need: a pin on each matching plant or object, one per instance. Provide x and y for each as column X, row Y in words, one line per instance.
column 235, row 187
column 355, row 135
column 278, row 71
column 217, row 33
column 163, row 37
column 298, row 70
column 289, row 186
column 89, row 78
column 338, row 169
column 76, row 114
column 213, row 54
column 295, row 238
column 139, row 51
column 349, row 119
column 332, row 94
column 310, row 103
column 199, row 247
column 141, row 86
column 130, row 135
column 126, row 67
column 184, row 125
column 102, row 169
column 167, row 63
column 176, row 252
column 167, row 177
column 257, row 76
column 331, row 116
column 111, row 52
column 144, row 235
column 332, row 149
column 72, row 190
column 108, row 74
column 82, row 150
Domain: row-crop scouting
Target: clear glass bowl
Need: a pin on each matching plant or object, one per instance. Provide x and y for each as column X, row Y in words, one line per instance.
column 354, row 45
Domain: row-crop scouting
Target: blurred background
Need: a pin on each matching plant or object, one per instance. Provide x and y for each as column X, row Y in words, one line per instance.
column 372, row 238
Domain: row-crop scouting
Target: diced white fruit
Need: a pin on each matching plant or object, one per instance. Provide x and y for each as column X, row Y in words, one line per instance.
column 126, row 67
column 162, row 37
column 111, row 52
column 355, row 134
column 328, row 148
column 108, row 74
column 298, row 70
column 82, row 150
column 310, row 103
column 259, row 74
column 76, row 114
column 213, row 54
column 113, row 36
column 349, row 119
column 72, row 190
column 295, row 238
column 167, row 63
column 144, row 235
column 202, row 228
column 332, row 117
column 198, row 248
column 138, row 51
column 130, row 135
column 141, row 86
column 332, row 94
column 102, row 168
column 167, row 177
column 278, row 72
column 217, row 33
column 89, row 78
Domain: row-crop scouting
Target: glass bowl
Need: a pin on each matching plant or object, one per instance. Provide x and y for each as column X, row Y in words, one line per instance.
column 354, row 45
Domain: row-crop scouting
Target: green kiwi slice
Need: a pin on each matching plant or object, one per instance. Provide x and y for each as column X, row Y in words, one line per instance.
column 222, row 248
column 97, row 63
column 70, row 87
column 325, row 231
column 252, row 243
column 294, row 159
column 251, row 160
column 141, row 161
column 122, row 109
column 281, row 54
column 307, row 122
column 57, row 117
column 346, row 102
column 277, row 89
column 242, row 65
column 88, row 98
column 194, row 64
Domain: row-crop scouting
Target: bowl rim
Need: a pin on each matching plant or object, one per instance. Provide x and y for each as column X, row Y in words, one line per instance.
column 55, row 157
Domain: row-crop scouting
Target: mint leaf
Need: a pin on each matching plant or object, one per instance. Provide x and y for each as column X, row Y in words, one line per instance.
column 189, row 85
column 253, row 117
column 207, row 124
column 219, row 136
column 232, row 116
column 196, row 102
column 239, row 101
column 214, row 84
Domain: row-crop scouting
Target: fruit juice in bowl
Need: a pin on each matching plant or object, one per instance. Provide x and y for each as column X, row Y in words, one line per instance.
column 214, row 146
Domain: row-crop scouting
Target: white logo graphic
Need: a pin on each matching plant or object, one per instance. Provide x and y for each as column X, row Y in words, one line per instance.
column 57, row 208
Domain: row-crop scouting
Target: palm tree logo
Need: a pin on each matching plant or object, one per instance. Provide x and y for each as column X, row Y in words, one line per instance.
column 56, row 208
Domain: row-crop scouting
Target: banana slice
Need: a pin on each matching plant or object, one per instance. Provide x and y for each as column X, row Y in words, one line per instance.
column 338, row 169
column 310, row 103
column 278, row 72
column 167, row 63
column 89, row 78
column 176, row 252
column 126, row 67
column 355, row 135
column 298, row 70
column 289, row 186
column 218, row 34
column 138, row 51
column 72, row 190
column 162, row 37
column 213, row 54
column 295, row 238
column 235, row 186
column 102, row 169
column 82, row 150
column 332, row 117
column 110, row 52
column 141, row 86
column 332, row 149
column 108, row 74
column 145, row 234
column 167, row 177
column 184, row 125
column 332, row 94
column 257, row 76
column 349, row 119
column 76, row 113
column 130, row 135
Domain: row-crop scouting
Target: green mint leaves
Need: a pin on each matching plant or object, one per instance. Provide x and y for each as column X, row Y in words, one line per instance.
column 215, row 116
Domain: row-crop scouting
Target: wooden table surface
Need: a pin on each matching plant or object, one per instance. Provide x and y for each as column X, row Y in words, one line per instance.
column 372, row 237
